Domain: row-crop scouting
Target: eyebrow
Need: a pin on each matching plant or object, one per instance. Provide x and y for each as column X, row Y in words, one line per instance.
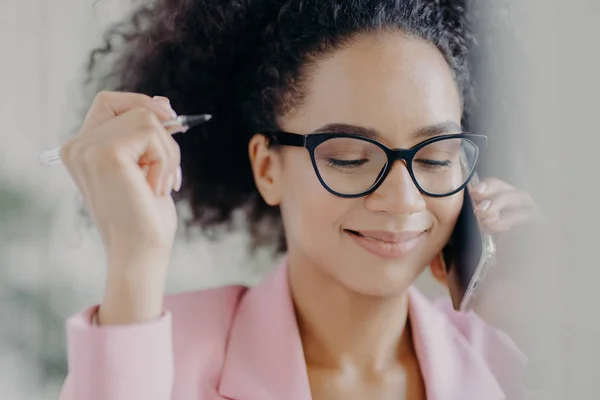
column 371, row 133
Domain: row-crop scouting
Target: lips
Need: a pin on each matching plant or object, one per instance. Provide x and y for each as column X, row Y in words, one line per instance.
column 389, row 237
column 386, row 244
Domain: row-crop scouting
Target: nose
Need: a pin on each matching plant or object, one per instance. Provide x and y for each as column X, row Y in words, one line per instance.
column 397, row 194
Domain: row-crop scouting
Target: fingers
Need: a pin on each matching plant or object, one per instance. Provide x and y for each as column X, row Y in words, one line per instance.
column 171, row 178
column 107, row 105
column 500, row 206
column 133, row 142
column 165, row 105
column 500, row 202
column 488, row 187
column 155, row 149
column 509, row 220
column 163, row 177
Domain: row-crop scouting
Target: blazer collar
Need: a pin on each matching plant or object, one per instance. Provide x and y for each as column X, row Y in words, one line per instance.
column 451, row 368
column 265, row 360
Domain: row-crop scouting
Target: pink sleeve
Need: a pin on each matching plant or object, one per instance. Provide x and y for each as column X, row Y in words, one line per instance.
column 118, row 362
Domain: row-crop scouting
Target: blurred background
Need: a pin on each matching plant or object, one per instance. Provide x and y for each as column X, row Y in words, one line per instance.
column 51, row 261
column 536, row 69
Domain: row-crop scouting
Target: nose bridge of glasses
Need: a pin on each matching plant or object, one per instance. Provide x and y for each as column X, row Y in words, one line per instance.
column 403, row 155
column 399, row 163
column 399, row 181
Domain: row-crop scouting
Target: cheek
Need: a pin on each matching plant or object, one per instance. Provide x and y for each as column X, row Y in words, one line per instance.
column 311, row 214
column 445, row 211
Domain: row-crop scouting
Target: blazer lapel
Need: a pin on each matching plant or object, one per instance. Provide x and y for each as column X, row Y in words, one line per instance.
column 265, row 359
column 451, row 367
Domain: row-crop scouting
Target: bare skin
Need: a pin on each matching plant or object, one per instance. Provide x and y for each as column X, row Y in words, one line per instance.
column 401, row 378
column 351, row 305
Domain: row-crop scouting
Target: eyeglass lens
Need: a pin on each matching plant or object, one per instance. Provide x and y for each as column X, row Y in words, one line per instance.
column 352, row 166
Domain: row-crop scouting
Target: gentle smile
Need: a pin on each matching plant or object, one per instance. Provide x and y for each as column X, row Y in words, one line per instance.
column 387, row 244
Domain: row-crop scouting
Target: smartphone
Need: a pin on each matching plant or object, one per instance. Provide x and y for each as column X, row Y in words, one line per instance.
column 469, row 254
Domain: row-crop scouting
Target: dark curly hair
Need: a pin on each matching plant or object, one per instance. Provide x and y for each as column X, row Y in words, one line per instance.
column 244, row 61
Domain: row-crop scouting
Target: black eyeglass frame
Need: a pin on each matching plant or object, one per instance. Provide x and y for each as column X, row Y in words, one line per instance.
column 310, row 142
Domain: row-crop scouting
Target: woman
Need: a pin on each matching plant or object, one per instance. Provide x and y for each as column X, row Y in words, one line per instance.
column 338, row 319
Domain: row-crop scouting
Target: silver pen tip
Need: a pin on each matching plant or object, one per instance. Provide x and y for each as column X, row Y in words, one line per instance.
column 193, row 120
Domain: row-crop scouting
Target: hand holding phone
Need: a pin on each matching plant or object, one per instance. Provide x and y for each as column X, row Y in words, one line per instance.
column 469, row 253
column 489, row 207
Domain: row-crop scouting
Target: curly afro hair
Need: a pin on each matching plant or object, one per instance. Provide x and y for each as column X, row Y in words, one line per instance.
column 243, row 62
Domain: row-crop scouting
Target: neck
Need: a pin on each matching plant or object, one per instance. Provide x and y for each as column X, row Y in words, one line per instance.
column 343, row 329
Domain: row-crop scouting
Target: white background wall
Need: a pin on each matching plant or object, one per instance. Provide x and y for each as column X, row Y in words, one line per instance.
column 51, row 256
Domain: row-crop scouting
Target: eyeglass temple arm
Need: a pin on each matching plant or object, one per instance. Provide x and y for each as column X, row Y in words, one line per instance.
column 288, row 139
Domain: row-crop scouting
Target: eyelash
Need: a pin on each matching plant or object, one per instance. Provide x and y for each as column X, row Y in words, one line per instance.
column 435, row 163
column 358, row 163
column 346, row 163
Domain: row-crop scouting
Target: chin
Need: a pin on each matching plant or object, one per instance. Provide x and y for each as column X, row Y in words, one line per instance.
column 377, row 278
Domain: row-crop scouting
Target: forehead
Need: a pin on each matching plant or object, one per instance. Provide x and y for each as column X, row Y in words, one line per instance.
column 391, row 82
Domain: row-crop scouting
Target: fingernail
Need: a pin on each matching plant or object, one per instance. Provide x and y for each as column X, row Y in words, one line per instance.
column 165, row 104
column 481, row 188
column 484, row 205
column 178, row 179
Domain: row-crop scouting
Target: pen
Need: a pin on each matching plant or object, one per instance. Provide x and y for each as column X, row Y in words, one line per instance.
column 52, row 157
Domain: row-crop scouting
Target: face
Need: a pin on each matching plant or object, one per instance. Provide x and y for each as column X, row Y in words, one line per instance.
column 396, row 87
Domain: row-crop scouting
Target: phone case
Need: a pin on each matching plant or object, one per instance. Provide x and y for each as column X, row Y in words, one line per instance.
column 486, row 260
column 470, row 251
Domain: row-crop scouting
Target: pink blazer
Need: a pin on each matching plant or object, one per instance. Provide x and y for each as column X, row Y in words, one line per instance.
column 243, row 344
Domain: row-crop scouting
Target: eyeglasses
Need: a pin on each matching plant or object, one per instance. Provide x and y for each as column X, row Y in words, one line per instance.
column 353, row 166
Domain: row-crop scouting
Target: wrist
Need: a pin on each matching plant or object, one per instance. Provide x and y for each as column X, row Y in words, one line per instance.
column 142, row 260
column 132, row 296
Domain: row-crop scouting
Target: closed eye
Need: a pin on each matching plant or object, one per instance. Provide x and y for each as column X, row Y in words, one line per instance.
column 347, row 163
column 434, row 163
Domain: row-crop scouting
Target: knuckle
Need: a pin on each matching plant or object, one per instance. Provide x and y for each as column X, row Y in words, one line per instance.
column 89, row 158
column 103, row 96
column 113, row 149
column 157, row 143
column 141, row 112
column 146, row 118
column 109, row 157
column 141, row 98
